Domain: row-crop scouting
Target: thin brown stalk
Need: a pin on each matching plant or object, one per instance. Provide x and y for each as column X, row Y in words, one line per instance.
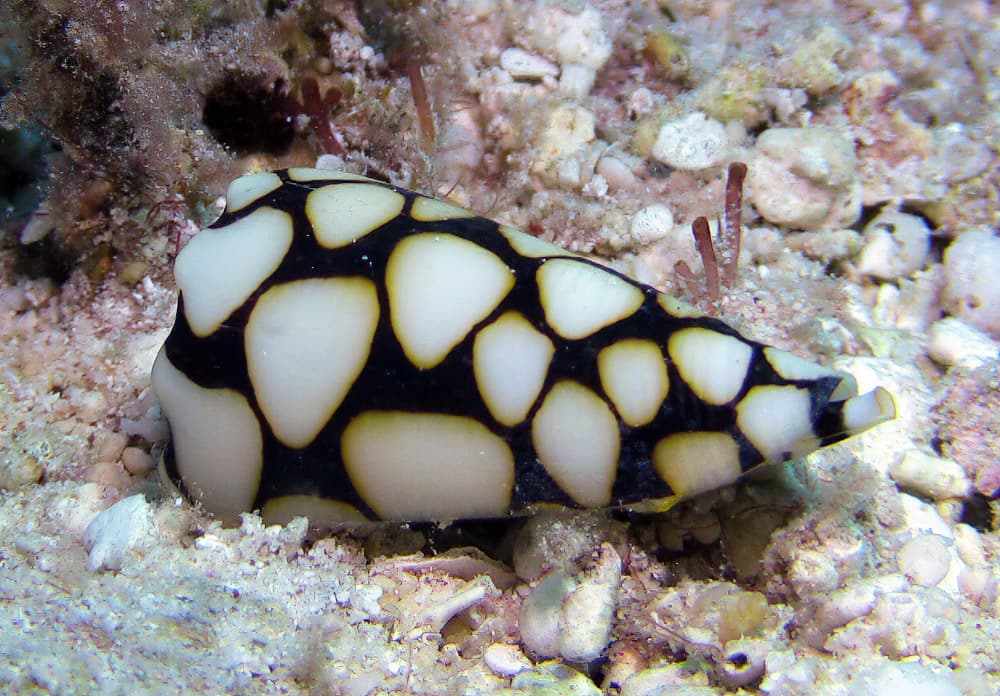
column 318, row 109
column 732, row 230
column 425, row 119
column 703, row 238
column 686, row 278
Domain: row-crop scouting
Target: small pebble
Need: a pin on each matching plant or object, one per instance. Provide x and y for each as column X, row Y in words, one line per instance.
column 923, row 516
column 978, row 585
column 365, row 598
column 19, row 469
column 678, row 691
column 14, row 299
column 789, row 673
column 90, row 405
column 562, row 541
column 813, row 572
column 137, row 461
column 460, row 149
column 740, row 614
column 554, row 679
column 670, row 536
column 969, row 545
column 665, row 679
column 842, row 606
column 505, row 660
column 328, row 161
column 616, row 173
column 41, row 223
column 972, row 291
column 896, row 245
column 115, row 531
column 708, row 532
column 936, row 478
column 953, row 342
column 691, row 142
column 521, row 64
column 541, row 613
column 109, row 474
column 464, row 563
column 471, row 594
column 958, row 157
column 597, row 187
column 110, row 446
column 576, row 80
column 814, row 60
column 134, row 272
column 588, row 610
column 826, row 246
column 641, row 102
column 924, row 560
column 821, row 155
column 28, row 544
column 744, row 660
column 651, row 224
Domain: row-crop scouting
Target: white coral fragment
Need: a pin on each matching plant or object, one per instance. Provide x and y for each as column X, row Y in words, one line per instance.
column 114, row 532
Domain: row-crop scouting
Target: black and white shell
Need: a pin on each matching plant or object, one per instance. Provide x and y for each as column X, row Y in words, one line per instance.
column 348, row 350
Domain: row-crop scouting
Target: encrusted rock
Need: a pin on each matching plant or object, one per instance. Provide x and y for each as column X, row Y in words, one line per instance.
column 815, row 62
column 567, row 36
column 847, row 604
column 571, row 617
column 562, row 147
column 563, row 541
column 541, row 613
column 589, row 608
column 805, row 178
column 953, row 342
column 691, row 142
column 813, row 572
